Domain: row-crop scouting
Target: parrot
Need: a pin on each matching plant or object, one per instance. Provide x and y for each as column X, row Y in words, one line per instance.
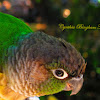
column 35, row 63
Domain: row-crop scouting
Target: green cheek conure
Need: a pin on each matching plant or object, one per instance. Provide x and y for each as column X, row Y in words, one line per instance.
column 34, row 63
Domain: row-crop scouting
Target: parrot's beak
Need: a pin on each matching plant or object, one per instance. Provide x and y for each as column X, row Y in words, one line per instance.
column 74, row 84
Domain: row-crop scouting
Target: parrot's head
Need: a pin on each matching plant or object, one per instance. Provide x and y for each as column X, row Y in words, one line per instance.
column 41, row 65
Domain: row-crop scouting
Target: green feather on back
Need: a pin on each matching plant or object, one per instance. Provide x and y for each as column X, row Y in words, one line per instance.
column 11, row 28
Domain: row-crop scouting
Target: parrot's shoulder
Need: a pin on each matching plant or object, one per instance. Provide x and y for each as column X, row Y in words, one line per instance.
column 6, row 18
column 11, row 28
column 11, row 23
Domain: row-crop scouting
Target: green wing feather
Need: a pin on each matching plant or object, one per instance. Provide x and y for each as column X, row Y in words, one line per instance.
column 11, row 28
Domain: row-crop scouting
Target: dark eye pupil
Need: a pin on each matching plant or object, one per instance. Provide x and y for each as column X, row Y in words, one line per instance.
column 59, row 73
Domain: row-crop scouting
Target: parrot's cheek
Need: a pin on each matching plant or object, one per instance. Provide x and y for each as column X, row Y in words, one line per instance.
column 74, row 85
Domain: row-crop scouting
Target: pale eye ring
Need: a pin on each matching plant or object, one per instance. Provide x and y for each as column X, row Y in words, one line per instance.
column 60, row 73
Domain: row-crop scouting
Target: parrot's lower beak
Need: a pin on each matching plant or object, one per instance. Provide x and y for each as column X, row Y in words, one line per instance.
column 74, row 84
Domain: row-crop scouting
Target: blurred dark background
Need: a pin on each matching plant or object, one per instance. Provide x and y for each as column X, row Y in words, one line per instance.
column 46, row 15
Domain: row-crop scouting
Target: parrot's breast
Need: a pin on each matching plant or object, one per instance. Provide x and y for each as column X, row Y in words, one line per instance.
column 6, row 93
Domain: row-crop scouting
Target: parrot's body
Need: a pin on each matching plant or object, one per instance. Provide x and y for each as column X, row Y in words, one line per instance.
column 11, row 29
column 35, row 64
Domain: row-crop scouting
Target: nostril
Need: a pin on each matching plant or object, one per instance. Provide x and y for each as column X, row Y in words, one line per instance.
column 78, row 76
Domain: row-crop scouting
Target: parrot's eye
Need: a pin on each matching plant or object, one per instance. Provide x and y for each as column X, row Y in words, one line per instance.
column 59, row 73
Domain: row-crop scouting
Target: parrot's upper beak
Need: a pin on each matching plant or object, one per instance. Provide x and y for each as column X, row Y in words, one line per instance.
column 74, row 84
